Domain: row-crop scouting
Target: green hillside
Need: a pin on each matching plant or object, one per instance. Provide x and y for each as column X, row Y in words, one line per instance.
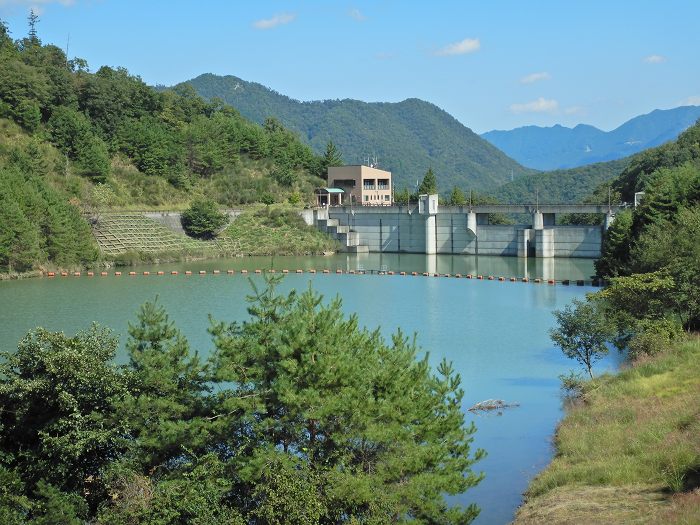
column 407, row 137
column 74, row 143
column 574, row 185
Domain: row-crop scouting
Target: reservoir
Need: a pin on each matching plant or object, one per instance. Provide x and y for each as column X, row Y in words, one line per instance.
column 494, row 332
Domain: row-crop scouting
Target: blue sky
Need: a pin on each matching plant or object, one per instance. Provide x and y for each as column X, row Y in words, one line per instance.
column 492, row 64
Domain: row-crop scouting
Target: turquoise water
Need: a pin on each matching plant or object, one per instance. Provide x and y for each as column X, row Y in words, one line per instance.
column 494, row 332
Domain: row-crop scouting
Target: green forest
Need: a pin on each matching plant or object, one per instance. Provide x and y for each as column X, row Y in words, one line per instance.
column 650, row 258
column 72, row 140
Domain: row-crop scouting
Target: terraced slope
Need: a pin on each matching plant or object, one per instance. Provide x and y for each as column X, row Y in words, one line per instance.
column 123, row 232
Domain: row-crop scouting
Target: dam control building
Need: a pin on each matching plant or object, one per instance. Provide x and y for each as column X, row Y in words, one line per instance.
column 356, row 185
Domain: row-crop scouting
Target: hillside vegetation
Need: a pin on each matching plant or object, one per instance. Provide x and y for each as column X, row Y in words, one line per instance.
column 38, row 224
column 572, row 186
column 407, row 137
column 559, row 147
column 275, row 230
column 631, row 453
column 73, row 143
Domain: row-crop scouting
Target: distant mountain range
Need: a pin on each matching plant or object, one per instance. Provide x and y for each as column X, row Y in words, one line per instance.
column 406, row 137
column 559, row 147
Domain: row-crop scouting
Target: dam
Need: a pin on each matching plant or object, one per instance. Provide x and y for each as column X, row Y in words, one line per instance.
column 432, row 229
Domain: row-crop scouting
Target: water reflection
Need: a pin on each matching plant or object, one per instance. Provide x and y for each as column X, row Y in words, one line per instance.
column 553, row 268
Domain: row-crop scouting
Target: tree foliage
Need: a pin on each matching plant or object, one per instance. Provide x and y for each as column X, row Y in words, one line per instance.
column 331, row 157
column 650, row 254
column 37, row 225
column 457, row 197
column 582, row 333
column 428, row 185
column 564, row 186
column 347, row 406
column 661, row 234
column 58, row 421
column 299, row 416
column 203, row 219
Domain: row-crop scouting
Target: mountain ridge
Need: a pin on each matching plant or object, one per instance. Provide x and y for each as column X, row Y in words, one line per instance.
column 409, row 136
column 560, row 147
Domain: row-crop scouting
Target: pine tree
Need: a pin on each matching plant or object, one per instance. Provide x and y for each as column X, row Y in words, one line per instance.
column 167, row 384
column 20, row 247
column 457, row 198
column 33, row 20
column 429, row 184
column 371, row 430
column 331, row 157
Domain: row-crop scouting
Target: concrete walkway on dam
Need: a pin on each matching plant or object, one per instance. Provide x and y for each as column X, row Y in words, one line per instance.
column 465, row 229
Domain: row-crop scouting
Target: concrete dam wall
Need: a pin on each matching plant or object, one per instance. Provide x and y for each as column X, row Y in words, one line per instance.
column 454, row 230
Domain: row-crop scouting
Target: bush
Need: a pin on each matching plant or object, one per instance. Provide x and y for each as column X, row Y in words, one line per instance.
column 654, row 337
column 572, row 384
column 203, row 219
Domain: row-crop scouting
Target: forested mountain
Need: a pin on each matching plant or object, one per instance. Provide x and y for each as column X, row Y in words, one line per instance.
column 561, row 147
column 569, row 186
column 407, row 137
column 71, row 139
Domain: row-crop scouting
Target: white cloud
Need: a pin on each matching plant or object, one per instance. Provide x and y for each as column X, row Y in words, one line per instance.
column 37, row 5
column 468, row 45
column 384, row 55
column 535, row 77
column 357, row 15
column 691, row 101
column 574, row 110
column 541, row 105
column 277, row 20
column 654, row 59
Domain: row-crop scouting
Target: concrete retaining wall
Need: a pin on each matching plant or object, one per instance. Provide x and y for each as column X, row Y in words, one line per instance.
column 171, row 219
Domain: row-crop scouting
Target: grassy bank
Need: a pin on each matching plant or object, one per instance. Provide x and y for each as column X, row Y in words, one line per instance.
column 630, row 451
column 274, row 230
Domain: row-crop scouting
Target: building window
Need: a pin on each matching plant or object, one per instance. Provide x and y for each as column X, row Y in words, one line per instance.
column 366, row 197
column 386, row 197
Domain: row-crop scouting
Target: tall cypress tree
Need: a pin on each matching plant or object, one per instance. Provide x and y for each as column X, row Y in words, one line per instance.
column 429, row 184
column 331, row 157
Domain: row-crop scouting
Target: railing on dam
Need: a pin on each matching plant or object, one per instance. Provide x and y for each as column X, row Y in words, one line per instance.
column 496, row 208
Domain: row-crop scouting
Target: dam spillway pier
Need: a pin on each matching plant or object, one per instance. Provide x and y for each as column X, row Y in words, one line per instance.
column 427, row 228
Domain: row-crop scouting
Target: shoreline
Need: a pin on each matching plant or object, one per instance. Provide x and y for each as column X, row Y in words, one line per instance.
column 112, row 264
column 629, row 450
